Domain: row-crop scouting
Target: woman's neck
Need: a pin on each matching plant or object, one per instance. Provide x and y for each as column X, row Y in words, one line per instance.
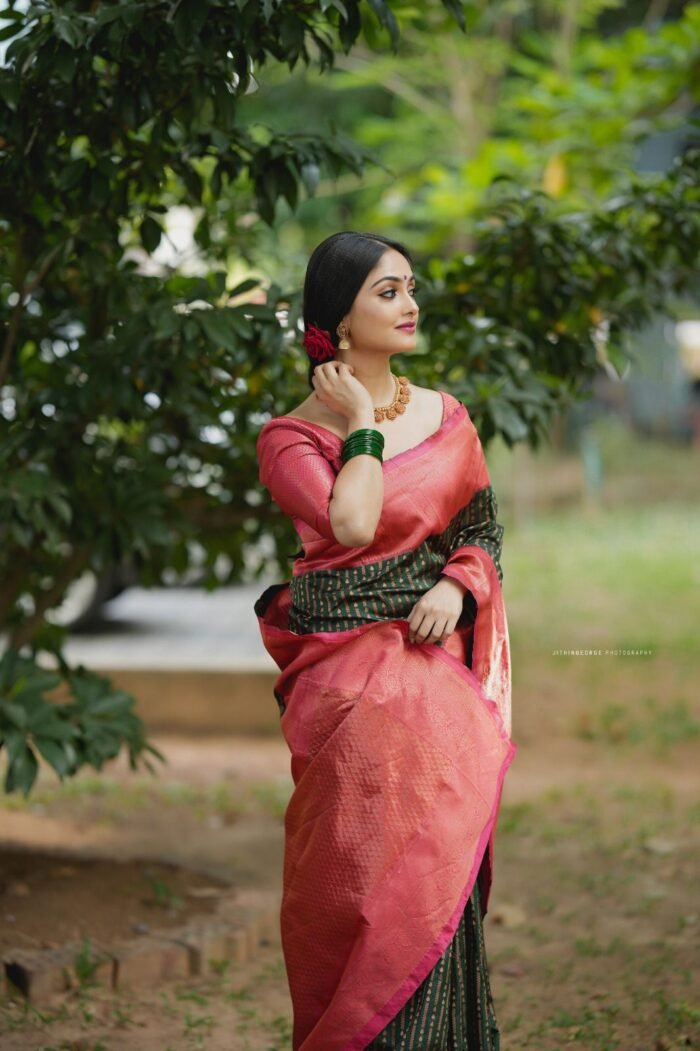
column 377, row 377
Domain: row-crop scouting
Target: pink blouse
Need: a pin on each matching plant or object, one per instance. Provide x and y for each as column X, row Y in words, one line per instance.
column 299, row 462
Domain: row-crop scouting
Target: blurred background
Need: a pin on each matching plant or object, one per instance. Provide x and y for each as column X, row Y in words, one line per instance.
column 579, row 360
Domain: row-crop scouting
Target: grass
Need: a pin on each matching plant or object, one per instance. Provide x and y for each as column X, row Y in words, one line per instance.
column 660, row 726
column 636, row 470
column 112, row 801
column 226, row 1000
column 616, row 581
column 610, row 947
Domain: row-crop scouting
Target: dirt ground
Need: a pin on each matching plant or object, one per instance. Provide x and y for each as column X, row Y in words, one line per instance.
column 592, row 931
column 126, row 854
column 49, row 902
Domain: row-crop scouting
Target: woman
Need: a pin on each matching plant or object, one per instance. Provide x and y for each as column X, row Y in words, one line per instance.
column 394, row 692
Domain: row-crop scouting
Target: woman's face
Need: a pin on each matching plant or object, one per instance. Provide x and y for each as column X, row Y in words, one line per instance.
column 383, row 307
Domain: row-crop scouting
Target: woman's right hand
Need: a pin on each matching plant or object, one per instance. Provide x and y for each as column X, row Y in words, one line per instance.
column 338, row 389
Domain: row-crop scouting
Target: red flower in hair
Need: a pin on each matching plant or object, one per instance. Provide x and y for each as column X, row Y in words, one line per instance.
column 318, row 344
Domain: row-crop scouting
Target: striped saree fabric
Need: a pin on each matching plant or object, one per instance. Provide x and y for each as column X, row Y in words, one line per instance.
column 452, row 1009
column 338, row 599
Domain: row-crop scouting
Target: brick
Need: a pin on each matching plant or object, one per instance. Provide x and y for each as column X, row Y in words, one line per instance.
column 40, row 975
column 43, row 973
column 262, row 907
column 241, row 947
column 182, row 936
column 214, row 944
column 236, row 933
column 204, row 942
column 247, row 929
column 194, row 954
column 235, row 936
column 150, row 961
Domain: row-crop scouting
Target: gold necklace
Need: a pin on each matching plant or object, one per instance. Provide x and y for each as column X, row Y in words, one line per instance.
column 398, row 405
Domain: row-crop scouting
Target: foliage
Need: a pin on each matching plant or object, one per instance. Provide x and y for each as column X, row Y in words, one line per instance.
column 132, row 390
column 119, row 377
column 89, row 730
column 520, row 325
column 535, row 92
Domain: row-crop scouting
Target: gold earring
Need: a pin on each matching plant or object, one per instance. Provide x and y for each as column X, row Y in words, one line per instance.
column 343, row 345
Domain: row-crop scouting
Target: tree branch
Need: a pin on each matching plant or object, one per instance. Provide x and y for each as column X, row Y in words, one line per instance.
column 656, row 13
column 13, row 327
column 12, row 584
column 26, row 631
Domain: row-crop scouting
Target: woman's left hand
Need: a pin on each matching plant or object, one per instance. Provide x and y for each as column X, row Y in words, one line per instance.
column 435, row 614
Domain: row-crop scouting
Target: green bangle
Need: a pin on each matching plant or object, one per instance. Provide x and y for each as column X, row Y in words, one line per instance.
column 366, row 432
column 355, row 449
column 364, row 440
column 361, row 443
column 358, row 452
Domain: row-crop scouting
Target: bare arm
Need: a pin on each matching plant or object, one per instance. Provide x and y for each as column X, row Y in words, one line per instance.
column 358, row 492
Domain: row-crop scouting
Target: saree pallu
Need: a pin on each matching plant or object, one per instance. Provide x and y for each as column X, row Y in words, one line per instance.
column 398, row 749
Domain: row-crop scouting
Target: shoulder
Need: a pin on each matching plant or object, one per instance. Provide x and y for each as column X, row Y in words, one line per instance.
column 308, row 411
column 432, row 396
column 280, row 428
column 286, row 433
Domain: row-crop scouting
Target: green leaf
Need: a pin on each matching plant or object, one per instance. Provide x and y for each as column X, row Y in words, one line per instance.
column 62, row 508
column 166, row 321
column 287, row 185
column 507, row 419
column 22, row 771
column 456, row 8
column 107, row 14
column 387, row 18
column 193, row 181
column 245, row 286
column 216, row 179
column 73, row 173
column 151, row 233
column 55, row 754
column 69, row 30
column 217, row 328
column 337, row 4
column 34, row 684
column 15, row 714
column 8, row 31
column 112, row 704
column 240, row 324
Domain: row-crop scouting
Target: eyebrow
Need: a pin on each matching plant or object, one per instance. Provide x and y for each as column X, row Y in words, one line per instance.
column 392, row 277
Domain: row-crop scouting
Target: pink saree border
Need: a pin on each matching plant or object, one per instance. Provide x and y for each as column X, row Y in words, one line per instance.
column 410, row 984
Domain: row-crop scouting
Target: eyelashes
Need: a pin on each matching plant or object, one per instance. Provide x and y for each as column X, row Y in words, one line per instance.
column 383, row 295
